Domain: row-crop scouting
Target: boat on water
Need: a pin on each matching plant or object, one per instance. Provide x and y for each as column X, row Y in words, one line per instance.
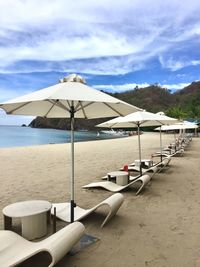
column 112, row 132
column 83, row 130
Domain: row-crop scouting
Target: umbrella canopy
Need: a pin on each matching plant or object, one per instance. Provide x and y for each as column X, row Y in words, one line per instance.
column 141, row 118
column 57, row 101
column 181, row 126
column 138, row 119
column 69, row 98
column 178, row 126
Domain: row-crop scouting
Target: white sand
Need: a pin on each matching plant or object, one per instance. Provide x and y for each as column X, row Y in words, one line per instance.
column 158, row 228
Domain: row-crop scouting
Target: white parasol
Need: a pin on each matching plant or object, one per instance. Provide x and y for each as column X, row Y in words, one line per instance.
column 69, row 99
column 138, row 119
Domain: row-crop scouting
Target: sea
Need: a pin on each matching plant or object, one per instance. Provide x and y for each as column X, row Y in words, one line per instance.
column 15, row 136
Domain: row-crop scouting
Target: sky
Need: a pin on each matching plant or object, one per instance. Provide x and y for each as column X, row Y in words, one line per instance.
column 114, row 45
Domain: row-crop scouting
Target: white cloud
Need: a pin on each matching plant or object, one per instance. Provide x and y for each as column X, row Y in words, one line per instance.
column 131, row 86
column 7, row 93
column 57, row 31
column 14, row 120
column 176, row 64
column 195, row 62
column 67, row 48
column 177, row 86
column 172, row 64
column 120, row 88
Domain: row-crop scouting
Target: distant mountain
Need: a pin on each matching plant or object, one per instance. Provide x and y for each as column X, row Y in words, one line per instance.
column 152, row 98
column 188, row 99
column 64, row 124
column 184, row 103
column 193, row 88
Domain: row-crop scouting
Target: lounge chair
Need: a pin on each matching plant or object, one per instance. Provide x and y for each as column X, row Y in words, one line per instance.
column 155, row 168
column 113, row 187
column 146, row 167
column 111, row 177
column 63, row 209
column 14, row 249
column 163, row 164
column 166, row 152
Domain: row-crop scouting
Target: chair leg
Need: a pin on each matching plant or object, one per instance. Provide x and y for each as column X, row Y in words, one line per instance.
column 140, row 189
column 54, row 220
column 49, row 217
column 7, row 222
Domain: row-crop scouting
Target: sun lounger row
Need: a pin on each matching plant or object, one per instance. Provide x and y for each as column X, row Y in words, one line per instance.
column 113, row 187
column 148, row 169
column 175, row 149
column 141, row 180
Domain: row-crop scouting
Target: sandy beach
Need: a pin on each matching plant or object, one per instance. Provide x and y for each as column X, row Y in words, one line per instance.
column 158, row 228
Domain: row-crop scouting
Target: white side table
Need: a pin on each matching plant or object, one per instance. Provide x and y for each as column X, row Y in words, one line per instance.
column 121, row 177
column 144, row 163
column 33, row 214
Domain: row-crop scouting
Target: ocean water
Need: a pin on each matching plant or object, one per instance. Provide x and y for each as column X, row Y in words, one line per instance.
column 13, row 136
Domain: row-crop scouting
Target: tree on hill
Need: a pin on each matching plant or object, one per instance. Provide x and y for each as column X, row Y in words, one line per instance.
column 152, row 98
column 189, row 99
column 176, row 112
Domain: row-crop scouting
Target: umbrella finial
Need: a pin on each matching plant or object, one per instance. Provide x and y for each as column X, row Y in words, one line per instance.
column 73, row 78
column 161, row 113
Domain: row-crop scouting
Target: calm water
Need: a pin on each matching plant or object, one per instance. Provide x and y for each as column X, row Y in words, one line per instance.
column 12, row 136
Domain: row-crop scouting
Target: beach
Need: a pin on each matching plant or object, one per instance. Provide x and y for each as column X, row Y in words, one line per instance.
column 158, row 228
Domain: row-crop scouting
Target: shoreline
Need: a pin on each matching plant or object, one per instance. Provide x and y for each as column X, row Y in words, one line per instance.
column 171, row 137
column 28, row 136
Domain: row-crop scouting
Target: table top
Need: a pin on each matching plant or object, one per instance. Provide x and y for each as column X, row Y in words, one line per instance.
column 117, row 173
column 26, row 208
column 143, row 160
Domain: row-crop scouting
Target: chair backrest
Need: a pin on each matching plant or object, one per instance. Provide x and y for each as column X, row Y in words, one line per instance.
column 14, row 249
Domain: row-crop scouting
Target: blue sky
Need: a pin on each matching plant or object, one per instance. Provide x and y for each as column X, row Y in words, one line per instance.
column 114, row 45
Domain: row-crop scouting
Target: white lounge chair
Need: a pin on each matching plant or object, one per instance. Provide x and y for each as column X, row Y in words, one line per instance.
column 163, row 164
column 113, row 187
column 14, row 249
column 169, row 152
column 110, row 177
column 155, row 168
column 152, row 169
column 63, row 209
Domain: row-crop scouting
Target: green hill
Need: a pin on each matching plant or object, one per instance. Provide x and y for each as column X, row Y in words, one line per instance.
column 152, row 98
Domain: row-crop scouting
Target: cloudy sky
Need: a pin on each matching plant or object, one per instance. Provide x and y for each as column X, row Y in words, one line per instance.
column 115, row 45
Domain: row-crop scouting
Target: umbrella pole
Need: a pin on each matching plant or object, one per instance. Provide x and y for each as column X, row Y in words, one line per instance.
column 140, row 158
column 160, row 145
column 175, row 139
column 72, row 205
